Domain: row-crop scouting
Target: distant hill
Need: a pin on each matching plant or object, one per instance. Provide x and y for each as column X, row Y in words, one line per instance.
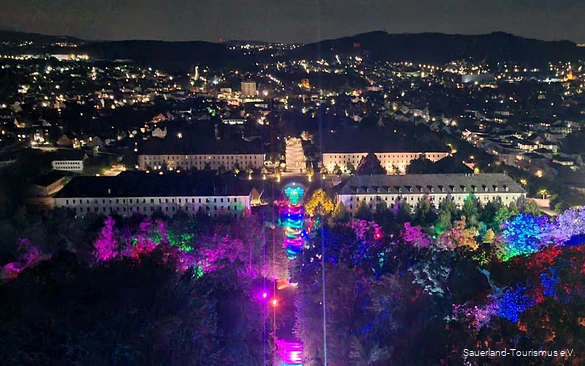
column 441, row 48
column 168, row 55
column 421, row 47
column 13, row 36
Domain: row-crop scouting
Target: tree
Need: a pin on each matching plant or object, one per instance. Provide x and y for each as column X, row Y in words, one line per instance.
column 458, row 236
column 425, row 214
column 106, row 246
column 414, row 236
column 513, row 208
column 207, row 166
column 340, row 214
column 370, row 164
column 421, row 165
column 404, row 212
column 470, row 210
column 319, row 203
column 449, row 206
column 532, row 208
column 489, row 236
column 443, row 222
column 350, row 168
column 363, row 211
column 337, row 169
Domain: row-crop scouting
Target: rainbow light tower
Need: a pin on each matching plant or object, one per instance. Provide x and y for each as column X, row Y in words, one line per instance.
column 292, row 218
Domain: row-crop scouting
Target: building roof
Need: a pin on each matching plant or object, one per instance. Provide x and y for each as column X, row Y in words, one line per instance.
column 430, row 183
column 69, row 155
column 171, row 146
column 48, row 179
column 375, row 140
column 140, row 184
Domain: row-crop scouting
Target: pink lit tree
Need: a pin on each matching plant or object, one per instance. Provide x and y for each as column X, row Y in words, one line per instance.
column 30, row 255
column 107, row 245
column 414, row 236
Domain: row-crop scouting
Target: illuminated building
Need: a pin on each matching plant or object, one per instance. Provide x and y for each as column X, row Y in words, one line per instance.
column 295, row 156
column 391, row 161
column 248, row 88
column 136, row 192
column 413, row 188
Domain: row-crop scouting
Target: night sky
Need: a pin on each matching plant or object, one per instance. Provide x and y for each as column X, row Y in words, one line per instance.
column 291, row 20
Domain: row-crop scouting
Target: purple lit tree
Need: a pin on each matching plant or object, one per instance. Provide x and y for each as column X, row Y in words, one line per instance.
column 107, row 246
column 568, row 224
column 414, row 236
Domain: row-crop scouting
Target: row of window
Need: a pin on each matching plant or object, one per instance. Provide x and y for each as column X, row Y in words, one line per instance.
column 112, row 210
column 419, row 198
column 152, row 209
column 180, row 200
column 202, row 157
column 432, row 189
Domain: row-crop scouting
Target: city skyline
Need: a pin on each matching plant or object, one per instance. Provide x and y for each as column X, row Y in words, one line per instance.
column 301, row 22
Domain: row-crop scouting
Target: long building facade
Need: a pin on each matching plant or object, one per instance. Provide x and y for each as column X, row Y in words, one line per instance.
column 129, row 194
column 391, row 161
column 393, row 190
column 200, row 161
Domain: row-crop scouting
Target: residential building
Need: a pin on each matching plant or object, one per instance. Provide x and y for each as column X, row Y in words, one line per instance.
column 413, row 188
column 137, row 192
column 69, row 161
column 248, row 88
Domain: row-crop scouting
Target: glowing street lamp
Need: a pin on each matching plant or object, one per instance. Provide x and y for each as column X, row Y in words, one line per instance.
column 274, row 302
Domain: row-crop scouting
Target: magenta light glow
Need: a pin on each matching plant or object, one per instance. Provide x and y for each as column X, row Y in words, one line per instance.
column 290, row 352
column 264, row 295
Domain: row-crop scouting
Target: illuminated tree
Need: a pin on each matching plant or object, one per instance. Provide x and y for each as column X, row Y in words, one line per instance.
column 414, row 236
column 470, row 210
column 569, row 224
column 458, row 236
column 106, row 245
column 503, row 213
column 443, row 222
column 489, row 236
column 524, row 234
column 319, row 203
